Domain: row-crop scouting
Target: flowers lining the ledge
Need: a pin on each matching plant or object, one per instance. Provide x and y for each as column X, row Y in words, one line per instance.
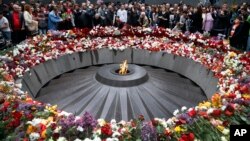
column 26, row 119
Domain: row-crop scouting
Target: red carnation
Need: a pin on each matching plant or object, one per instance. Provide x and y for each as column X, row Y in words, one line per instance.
column 106, row 130
column 192, row 113
column 187, row 137
column 216, row 113
column 17, row 115
column 229, row 110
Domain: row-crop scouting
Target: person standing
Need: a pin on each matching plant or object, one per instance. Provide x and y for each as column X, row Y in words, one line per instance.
column 53, row 19
column 123, row 14
column 5, row 28
column 163, row 18
column 236, row 36
column 30, row 23
column 248, row 41
column 16, row 21
column 207, row 20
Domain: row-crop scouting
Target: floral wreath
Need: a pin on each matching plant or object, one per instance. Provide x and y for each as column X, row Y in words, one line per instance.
column 22, row 118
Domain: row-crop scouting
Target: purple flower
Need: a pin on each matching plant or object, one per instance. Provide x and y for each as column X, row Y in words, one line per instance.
column 87, row 121
column 148, row 133
column 186, row 117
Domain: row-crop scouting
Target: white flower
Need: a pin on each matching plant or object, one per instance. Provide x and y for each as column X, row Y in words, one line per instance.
column 62, row 139
column 226, row 131
column 184, row 108
column 113, row 121
column 63, row 113
column 176, row 112
column 170, row 122
column 35, row 121
column 98, row 132
column 101, row 122
column 116, row 134
column 122, row 122
column 210, row 111
column 79, row 128
column 223, row 108
column 87, row 139
column 77, row 139
column 223, row 138
column 238, row 95
column 34, row 136
column 58, row 128
column 112, row 139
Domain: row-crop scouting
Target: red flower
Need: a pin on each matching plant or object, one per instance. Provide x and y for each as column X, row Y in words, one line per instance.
column 55, row 136
column 42, row 127
column 29, row 116
column 6, row 104
column 17, row 115
column 192, row 112
column 154, row 122
column 141, row 118
column 187, row 137
column 244, row 89
column 229, row 110
column 2, row 100
column 167, row 132
column 7, row 77
column 216, row 113
column 106, row 130
column 133, row 124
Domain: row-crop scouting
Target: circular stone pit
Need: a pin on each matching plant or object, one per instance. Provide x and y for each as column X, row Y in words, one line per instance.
column 109, row 75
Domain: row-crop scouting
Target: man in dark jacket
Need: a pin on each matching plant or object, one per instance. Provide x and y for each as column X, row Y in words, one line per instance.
column 109, row 16
column 87, row 17
column 238, row 34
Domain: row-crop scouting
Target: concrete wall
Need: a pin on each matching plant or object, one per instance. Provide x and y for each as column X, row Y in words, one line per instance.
column 41, row 74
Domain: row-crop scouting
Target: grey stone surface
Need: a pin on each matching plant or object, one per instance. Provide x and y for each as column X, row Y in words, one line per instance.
column 85, row 58
column 32, row 82
column 102, row 56
column 78, row 92
column 186, row 67
column 120, row 56
column 42, row 73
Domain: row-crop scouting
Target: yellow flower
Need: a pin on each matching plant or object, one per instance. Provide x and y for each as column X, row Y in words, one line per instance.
column 220, row 128
column 205, row 104
column 43, row 134
column 178, row 129
column 246, row 96
column 30, row 129
column 52, row 109
column 216, row 100
column 232, row 54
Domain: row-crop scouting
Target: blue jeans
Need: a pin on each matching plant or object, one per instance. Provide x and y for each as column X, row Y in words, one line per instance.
column 42, row 31
column 248, row 44
column 6, row 35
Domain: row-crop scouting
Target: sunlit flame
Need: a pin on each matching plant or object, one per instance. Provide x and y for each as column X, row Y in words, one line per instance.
column 123, row 68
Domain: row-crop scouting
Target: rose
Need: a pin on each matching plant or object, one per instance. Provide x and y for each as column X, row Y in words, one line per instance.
column 187, row 137
column 216, row 113
column 106, row 130
column 191, row 112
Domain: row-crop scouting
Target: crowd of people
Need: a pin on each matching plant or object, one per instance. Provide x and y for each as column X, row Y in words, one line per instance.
column 21, row 20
